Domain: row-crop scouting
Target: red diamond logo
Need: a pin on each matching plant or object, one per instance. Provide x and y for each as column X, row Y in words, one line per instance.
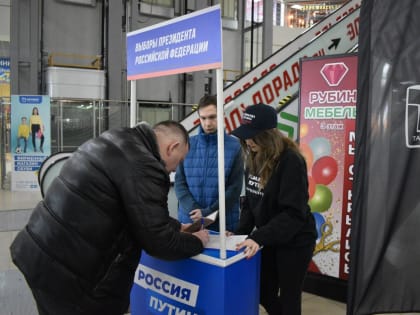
column 333, row 73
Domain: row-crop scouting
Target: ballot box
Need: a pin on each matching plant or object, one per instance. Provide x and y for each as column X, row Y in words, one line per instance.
column 201, row 285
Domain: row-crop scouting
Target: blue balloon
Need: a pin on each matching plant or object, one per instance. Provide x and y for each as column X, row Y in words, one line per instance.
column 319, row 221
column 320, row 147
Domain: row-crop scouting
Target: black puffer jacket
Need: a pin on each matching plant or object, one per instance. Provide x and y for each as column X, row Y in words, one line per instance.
column 83, row 241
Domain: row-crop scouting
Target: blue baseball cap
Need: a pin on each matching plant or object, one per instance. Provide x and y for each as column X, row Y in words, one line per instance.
column 255, row 119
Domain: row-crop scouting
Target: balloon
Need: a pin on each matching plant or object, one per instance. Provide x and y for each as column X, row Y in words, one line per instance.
column 307, row 154
column 321, row 200
column 311, row 186
column 324, row 170
column 304, row 129
column 319, row 221
column 320, row 147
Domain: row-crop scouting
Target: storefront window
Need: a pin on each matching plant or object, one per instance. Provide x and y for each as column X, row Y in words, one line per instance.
column 292, row 13
column 304, row 14
column 254, row 8
column 229, row 9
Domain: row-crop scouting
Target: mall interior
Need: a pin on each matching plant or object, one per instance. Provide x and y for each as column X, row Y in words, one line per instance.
column 73, row 54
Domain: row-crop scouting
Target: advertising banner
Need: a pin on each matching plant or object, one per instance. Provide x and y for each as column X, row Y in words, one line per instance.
column 30, row 139
column 4, row 77
column 184, row 44
column 328, row 94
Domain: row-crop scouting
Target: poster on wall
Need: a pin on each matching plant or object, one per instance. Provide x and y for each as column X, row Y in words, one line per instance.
column 30, row 139
column 4, row 77
column 328, row 94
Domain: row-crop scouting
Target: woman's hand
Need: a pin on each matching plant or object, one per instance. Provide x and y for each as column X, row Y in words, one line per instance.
column 251, row 247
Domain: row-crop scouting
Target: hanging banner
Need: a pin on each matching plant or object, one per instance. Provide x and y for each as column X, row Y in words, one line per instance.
column 385, row 242
column 328, row 94
column 184, row 44
column 30, row 139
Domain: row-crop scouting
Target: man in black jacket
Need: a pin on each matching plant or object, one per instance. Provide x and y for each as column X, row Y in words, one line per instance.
column 82, row 244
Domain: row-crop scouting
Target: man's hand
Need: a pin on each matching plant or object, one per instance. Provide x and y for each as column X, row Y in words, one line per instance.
column 203, row 235
column 196, row 214
column 185, row 226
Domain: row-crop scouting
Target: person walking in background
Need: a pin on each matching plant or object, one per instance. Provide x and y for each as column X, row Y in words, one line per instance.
column 196, row 178
column 275, row 212
column 37, row 129
column 82, row 244
column 23, row 133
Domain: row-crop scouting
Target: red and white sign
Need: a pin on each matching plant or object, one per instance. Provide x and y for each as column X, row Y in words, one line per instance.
column 328, row 95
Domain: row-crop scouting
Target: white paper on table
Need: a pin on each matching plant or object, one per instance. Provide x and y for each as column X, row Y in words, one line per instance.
column 231, row 241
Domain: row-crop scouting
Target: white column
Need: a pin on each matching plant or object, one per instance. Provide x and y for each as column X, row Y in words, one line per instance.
column 221, row 161
column 133, row 103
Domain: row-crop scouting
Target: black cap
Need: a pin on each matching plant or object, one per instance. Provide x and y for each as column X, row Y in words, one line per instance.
column 256, row 118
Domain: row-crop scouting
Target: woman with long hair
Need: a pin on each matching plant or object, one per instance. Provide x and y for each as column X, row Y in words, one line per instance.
column 275, row 213
column 37, row 128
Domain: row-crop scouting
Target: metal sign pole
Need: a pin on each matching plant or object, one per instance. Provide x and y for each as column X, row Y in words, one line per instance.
column 133, row 103
column 221, row 161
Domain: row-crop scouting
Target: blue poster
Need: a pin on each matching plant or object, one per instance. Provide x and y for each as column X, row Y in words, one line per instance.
column 30, row 138
column 191, row 42
column 4, row 77
column 4, row 70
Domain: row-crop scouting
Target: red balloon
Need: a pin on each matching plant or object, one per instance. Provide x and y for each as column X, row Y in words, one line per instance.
column 324, row 170
column 311, row 186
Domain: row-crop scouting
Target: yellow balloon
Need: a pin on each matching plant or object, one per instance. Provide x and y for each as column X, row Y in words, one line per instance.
column 304, row 129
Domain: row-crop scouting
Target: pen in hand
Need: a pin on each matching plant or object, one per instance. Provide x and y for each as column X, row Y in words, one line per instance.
column 202, row 223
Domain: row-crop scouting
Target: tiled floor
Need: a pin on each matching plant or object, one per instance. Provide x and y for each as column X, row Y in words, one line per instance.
column 15, row 208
